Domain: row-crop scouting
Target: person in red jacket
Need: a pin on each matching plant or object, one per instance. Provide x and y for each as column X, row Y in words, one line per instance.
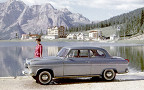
column 38, row 49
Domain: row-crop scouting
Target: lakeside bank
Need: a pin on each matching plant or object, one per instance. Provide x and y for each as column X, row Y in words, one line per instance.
column 135, row 40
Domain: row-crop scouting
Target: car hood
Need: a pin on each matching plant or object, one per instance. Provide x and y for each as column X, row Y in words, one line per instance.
column 44, row 60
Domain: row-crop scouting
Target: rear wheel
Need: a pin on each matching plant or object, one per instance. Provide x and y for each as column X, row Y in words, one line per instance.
column 109, row 74
column 44, row 77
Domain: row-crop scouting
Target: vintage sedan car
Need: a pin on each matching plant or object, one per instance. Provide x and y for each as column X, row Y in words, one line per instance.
column 76, row 62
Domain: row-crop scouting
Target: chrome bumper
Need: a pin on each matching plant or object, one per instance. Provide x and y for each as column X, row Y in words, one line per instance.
column 27, row 72
column 127, row 70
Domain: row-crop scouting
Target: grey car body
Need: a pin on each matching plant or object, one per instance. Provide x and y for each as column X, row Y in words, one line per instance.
column 77, row 61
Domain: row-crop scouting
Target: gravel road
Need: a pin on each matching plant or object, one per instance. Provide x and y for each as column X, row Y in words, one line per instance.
column 130, row 81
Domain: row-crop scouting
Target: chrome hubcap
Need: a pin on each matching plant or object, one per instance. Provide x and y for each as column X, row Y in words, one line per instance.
column 44, row 77
column 109, row 74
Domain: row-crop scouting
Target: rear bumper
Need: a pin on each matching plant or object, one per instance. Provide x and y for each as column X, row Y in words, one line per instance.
column 123, row 71
column 126, row 70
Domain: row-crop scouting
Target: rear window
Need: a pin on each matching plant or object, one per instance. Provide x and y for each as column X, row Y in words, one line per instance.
column 97, row 53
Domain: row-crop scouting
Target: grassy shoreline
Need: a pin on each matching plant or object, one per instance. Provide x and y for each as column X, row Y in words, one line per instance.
column 43, row 40
column 127, row 41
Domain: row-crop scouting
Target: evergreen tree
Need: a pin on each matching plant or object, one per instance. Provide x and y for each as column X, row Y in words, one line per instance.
column 142, row 18
column 41, row 33
column 16, row 35
column 29, row 33
column 142, row 28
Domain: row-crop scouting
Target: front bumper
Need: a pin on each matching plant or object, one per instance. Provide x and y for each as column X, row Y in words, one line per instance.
column 27, row 72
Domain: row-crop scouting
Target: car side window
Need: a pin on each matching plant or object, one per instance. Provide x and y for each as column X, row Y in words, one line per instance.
column 83, row 53
column 78, row 53
column 73, row 53
column 97, row 53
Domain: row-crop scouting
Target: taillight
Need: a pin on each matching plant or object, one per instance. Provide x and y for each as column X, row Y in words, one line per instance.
column 127, row 60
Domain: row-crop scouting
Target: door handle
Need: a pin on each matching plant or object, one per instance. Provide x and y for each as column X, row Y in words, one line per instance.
column 87, row 61
column 71, row 59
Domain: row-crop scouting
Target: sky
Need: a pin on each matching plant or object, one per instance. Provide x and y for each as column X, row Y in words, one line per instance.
column 94, row 10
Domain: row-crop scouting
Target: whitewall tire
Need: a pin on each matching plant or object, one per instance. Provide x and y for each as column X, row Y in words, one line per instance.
column 109, row 74
column 44, row 77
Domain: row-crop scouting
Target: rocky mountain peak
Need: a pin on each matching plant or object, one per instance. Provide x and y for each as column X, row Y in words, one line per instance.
column 10, row 1
column 64, row 10
column 14, row 4
column 17, row 17
column 48, row 6
column 13, row 1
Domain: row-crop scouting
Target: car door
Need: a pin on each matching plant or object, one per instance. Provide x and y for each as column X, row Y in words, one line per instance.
column 77, row 63
column 98, row 61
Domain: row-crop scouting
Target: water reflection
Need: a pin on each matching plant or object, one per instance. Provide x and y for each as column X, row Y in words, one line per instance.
column 12, row 58
column 52, row 51
column 133, row 53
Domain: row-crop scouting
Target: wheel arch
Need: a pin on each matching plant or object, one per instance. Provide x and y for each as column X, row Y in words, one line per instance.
column 42, row 69
column 115, row 70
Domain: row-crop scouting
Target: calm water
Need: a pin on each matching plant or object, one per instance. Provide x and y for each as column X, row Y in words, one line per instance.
column 13, row 54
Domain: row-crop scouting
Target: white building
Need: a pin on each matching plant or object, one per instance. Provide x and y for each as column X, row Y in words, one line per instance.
column 33, row 36
column 71, row 36
column 29, row 36
column 80, row 36
column 53, row 31
column 56, row 32
column 113, row 37
column 24, row 36
column 49, row 37
column 95, row 34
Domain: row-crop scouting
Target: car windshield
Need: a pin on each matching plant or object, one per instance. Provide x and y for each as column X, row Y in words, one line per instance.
column 63, row 52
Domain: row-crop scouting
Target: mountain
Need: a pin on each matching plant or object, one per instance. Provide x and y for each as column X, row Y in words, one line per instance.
column 18, row 18
column 120, row 19
column 130, row 23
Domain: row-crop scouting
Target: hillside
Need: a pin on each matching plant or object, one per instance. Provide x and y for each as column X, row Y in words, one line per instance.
column 130, row 23
column 18, row 18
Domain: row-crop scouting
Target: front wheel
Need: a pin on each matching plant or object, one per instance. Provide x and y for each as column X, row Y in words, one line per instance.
column 109, row 74
column 34, row 77
column 44, row 77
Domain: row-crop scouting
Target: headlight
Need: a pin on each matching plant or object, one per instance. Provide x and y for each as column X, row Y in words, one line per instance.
column 26, row 65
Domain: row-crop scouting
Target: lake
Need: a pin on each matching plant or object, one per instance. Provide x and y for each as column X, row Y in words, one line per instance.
column 13, row 54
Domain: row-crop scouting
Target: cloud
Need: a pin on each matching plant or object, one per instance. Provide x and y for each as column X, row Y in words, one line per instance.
column 112, row 4
column 100, row 4
column 130, row 4
column 56, row 3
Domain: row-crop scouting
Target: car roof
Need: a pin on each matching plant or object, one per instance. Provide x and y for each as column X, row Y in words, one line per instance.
column 88, row 47
column 85, row 47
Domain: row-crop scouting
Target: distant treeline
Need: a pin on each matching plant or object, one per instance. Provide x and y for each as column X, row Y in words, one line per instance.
column 130, row 23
